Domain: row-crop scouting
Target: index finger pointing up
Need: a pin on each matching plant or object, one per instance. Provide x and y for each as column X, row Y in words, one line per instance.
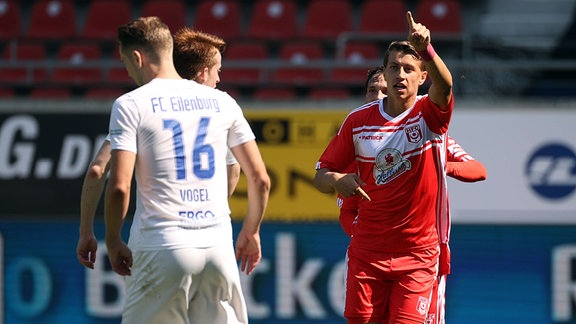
column 411, row 21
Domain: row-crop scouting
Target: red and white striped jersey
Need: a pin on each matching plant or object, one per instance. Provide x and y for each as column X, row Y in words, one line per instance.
column 456, row 153
column 401, row 159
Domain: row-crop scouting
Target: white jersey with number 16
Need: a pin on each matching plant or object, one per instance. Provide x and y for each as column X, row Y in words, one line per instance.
column 181, row 132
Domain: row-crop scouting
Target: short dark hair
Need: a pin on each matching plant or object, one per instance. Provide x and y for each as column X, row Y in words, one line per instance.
column 402, row 47
column 148, row 34
column 371, row 73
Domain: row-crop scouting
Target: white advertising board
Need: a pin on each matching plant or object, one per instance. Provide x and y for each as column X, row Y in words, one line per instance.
column 530, row 155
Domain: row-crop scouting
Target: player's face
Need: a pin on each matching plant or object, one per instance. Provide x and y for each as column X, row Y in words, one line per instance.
column 130, row 61
column 213, row 74
column 403, row 75
column 376, row 88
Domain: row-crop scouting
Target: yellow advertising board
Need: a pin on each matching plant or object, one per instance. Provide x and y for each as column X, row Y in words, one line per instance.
column 291, row 141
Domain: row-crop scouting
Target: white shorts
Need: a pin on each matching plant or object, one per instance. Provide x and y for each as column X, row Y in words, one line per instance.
column 189, row 285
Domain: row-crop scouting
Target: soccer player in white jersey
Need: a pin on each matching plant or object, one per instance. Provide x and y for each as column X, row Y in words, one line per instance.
column 173, row 134
column 198, row 57
column 399, row 147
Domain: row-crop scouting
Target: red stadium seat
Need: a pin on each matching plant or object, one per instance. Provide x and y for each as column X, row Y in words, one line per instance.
column 298, row 55
column 326, row 19
column 356, row 54
column 233, row 92
column 26, row 54
column 383, row 16
column 104, row 93
column 118, row 75
column 172, row 12
column 7, row 93
column 273, row 20
column 103, row 19
column 77, row 56
column 10, row 20
column 53, row 20
column 440, row 16
column 274, row 94
column 329, row 94
column 50, row 93
column 221, row 18
column 238, row 52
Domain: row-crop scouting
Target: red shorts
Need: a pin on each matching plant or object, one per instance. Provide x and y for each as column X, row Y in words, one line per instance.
column 389, row 287
column 436, row 314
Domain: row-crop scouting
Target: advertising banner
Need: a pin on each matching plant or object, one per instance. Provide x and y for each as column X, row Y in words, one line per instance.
column 530, row 156
column 43, row 159
column 291, row 143
column 500, row 274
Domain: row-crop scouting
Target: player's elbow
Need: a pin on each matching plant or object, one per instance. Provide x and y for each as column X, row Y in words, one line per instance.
column 483, row 173
column 96, row 171
column 261, row 181
column 117, row 190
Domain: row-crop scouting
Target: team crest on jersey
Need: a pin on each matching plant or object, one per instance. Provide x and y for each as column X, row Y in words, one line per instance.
column 422, row 306
column 413, row 133
column 389, row 165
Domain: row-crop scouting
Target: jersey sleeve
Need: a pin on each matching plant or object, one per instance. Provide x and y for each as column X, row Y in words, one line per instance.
column 437, row 118
column 340, row 152
column 123, row 125
column 240, row 132
column 230, row 158
column 461, row 165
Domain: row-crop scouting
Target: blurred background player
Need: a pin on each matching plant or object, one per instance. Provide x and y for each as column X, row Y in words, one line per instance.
column 375, row 85
column 198, row 57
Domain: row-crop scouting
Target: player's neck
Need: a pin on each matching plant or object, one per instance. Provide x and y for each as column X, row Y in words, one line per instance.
column 395, row 106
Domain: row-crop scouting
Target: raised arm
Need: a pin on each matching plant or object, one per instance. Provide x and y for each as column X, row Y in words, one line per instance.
column 440, row 92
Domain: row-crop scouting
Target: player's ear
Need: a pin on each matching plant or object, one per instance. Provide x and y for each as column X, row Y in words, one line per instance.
column 202, row 75
column 423, row 77
column 137, row 56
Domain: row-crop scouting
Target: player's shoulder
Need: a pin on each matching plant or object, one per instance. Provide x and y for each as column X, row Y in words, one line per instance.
column 212, row 92
column 359, row 114
column 422, row 99
column 365, row 108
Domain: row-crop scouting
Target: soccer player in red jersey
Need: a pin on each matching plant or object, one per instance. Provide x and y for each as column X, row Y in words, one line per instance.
column 460, row 165
column 399, row 147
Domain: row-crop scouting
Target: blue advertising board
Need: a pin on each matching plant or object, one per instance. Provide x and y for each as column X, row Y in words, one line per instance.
column 500, row 274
